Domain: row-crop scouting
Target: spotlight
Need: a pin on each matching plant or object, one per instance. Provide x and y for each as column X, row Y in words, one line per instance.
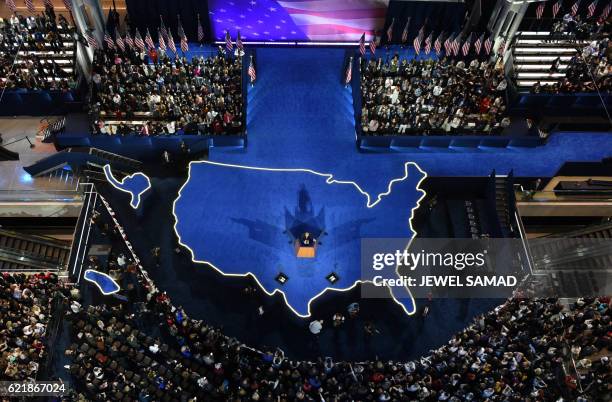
column 281, row 278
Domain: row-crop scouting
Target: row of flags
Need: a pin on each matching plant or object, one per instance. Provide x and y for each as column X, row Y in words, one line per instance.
column 32, row 8
column 452, row 44
column 575, row 7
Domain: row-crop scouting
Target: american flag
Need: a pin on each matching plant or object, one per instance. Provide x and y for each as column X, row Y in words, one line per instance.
column 606, row 11
column 252, row 72
column 68, row 5
column 128, row 40
column 390, row 31
column 30, row 5
column 447, row 45
column 418, row 39
column 149, row 41
column 11, row 5
column 466, row 45
column 228, row 41
column 456, row 42
column 119, row 40
column 171, row 44
column 184, row 43
column 576, row 6
column 373, row 46
column 162, row 30
column 92, row 41
column 200, row 30
column 109, row 41
column 488, row 45
column 362, row 47
column 428, row 43
column 438, row 43
column 239, row 41
column 349, row 72
column 540, row 10
column 318, row 20
column 501, row 49
column 556, row 7
column 591, row 8
column 405, row 31
column 478, row 44
column 161, row 40
column 138, row 42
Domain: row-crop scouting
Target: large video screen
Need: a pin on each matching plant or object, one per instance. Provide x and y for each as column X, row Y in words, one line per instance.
column 292, row 20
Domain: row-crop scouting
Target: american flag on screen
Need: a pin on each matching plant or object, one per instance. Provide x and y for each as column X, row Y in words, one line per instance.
column 315, row 20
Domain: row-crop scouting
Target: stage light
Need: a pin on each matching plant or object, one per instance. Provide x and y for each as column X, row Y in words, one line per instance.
column 332, row 278
column 281, row 278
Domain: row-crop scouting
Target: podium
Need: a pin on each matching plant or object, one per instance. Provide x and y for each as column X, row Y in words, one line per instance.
column 305, row 246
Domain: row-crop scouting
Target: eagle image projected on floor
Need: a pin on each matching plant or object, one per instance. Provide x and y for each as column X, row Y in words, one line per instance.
column 234, row 218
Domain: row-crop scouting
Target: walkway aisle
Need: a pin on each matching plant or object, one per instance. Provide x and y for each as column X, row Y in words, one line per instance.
column 300, row 115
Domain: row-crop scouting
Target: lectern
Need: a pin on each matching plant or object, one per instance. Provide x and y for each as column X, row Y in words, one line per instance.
column 305, row 246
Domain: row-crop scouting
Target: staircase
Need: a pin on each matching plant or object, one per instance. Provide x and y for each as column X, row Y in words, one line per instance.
column 502, row 208
column 534, row 54
column 579, row 262
column 26, row 253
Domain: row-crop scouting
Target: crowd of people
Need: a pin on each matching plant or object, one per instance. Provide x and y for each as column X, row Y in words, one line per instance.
column 26, row 303
column 521, row 351
column 422, row 97
column 31, row 48
column 589, row 70
column 156, row 93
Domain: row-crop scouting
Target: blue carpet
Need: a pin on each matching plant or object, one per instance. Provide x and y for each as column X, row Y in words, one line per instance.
column 299, row 115
column 244, row 226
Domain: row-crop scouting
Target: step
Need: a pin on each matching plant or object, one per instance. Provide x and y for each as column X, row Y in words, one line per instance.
column 534, row 67
column 540, row 75
column 539, row 50
column 540, row 59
